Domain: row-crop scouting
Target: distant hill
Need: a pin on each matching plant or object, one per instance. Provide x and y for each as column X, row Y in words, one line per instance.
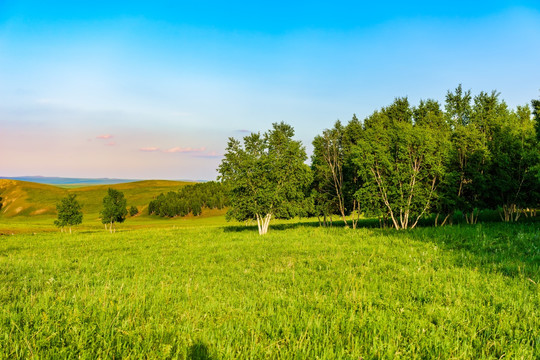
column 70, row 181
column 23, row 198
column 80, row 181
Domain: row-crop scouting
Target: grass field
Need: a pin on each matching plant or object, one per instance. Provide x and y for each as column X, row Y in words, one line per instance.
column 461, row 292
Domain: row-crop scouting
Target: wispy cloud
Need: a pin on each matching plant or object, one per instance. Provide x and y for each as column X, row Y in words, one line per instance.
column 104, row 137
column 149, row 149
column 111, row 143
column 210, row 155
column 185, row 150
column 243, row 131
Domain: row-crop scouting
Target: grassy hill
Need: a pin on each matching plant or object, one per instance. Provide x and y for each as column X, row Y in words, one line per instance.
column 26, row 199
column 23, row 198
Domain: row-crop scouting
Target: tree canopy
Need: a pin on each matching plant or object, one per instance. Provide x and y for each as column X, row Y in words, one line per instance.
column 265, row 176
column 404, row 162
column 114, row 209
column 189, row 199
column 69, row 212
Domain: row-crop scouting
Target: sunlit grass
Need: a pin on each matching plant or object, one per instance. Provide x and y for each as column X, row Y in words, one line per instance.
column 303, row 292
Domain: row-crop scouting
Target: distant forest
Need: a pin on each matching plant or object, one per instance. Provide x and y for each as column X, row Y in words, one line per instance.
column 401, row 163
column 189, row 199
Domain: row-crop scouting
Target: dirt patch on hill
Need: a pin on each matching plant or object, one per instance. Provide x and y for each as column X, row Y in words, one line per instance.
column 41, row 211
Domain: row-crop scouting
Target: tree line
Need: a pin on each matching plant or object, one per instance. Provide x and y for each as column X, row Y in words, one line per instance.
column 189, row 199
column 400, row 164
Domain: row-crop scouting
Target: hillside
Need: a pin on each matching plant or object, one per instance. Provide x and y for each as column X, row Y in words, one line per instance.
column 23, row 198
column 68, row 181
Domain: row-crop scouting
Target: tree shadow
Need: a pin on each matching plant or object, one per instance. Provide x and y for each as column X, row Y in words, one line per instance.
column 337, row 224
column 199, row 351
column 279, row 227
column 511, row 249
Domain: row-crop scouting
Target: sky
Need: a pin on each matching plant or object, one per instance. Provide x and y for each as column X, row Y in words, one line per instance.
column 154, row 89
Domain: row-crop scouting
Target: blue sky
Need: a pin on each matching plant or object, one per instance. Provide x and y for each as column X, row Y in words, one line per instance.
column 154, row 89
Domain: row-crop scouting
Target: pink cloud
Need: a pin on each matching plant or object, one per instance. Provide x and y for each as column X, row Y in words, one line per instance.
column 210, row 155
column 111, row 143
column 149, row 149
column 185, row 150
column 104, row 137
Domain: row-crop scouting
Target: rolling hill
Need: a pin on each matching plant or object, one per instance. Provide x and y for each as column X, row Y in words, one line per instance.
column 23, row 198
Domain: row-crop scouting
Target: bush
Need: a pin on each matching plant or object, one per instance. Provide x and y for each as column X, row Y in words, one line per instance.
column 133, row 210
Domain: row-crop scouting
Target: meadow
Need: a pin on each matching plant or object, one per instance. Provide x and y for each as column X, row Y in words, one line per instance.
column 302, row 291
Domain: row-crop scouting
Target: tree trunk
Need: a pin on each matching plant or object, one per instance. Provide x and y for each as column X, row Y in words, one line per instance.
column 263, row 223
column 471, row 218
column 445, row 219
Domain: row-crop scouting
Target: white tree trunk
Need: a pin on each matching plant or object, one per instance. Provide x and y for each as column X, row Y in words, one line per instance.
column 263, row 223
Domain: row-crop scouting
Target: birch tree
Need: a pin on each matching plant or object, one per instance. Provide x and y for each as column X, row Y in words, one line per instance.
column 327, row 166
column 401, row 164
column 265, row 176
column 114, row 209
column 69, row 212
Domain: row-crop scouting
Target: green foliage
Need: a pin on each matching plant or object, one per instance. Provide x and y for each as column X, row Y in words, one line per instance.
column 406, row 162
column 515, row 152
column 536, row 113
column 461, row 292
column 189, row 199
column 114, row 208
column 327, row 164
column 458, row 107
column 133, row 210
column 401, row 162
column 69, row 212
column 266, row 176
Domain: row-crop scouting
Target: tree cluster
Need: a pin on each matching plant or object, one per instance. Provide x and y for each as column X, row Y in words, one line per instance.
column 400, row 164
column 404, row 161
column 189, row 199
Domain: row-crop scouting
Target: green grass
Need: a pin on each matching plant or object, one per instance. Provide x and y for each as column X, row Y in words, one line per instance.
column 462, row 292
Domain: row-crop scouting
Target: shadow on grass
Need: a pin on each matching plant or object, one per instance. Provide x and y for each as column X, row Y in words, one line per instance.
column 511, row 249
column 279, row 227
column 364, row 223
column 199, row 351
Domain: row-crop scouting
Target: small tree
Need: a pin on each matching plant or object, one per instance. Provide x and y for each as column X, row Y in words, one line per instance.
column 1, row 203
column 133, row 210
column 266, row 176
column 69, row 212
column 114, row 209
